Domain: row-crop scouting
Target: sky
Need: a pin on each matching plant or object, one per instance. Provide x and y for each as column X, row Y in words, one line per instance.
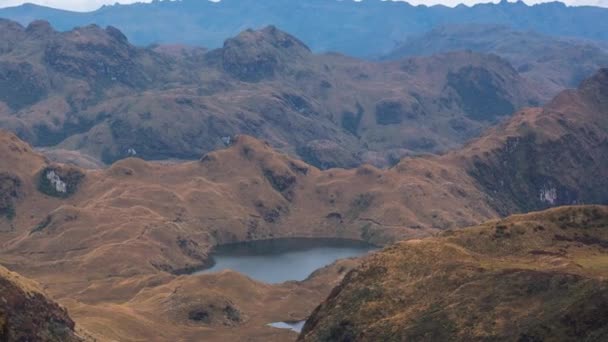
column 90, row 5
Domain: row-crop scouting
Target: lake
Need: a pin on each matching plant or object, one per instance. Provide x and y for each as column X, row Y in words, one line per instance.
column 279, row 260
column 293, row 326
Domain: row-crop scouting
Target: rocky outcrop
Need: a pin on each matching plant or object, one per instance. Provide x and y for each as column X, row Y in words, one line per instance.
column 59, row 181
column 26, row 314
column 253, row 56
column 551, row 156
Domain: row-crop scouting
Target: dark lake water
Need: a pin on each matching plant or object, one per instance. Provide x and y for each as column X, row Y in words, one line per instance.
column 279, row 260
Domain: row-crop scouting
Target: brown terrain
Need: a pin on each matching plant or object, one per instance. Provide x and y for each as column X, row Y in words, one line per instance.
column 550, row 63
column 534, row 277
column 89, row 90
column 114, row 245
column 26, row 313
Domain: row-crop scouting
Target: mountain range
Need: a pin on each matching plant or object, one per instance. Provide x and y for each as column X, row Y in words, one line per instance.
column 552, row 63
column 357, row 28
column 114, row 245
column 89, row 97
column 470, row 146
column 89, row 90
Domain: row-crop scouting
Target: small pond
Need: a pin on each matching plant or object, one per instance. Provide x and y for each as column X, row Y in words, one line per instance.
column 279, row 260
column 294, row 326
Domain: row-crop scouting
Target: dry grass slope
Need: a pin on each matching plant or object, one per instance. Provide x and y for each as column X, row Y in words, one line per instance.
column 534, row 277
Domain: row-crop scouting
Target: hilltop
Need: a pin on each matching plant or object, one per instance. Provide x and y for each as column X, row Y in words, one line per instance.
column 534, row 277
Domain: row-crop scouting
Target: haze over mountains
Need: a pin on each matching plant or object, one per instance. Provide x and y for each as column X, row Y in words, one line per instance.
column 552, row 63
column 364, row 29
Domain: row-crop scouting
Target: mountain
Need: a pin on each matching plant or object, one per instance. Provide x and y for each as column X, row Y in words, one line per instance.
column 89, row 90
column 517, row 163
column 116, row 246
column 552, row 63
column 27, row 314
column 534, row 277
column 357, row 28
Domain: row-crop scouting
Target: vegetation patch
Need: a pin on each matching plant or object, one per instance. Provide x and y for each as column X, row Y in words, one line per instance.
column 270, row 215
column 389, row 112
column 42, row 225
column 226, row 314
column 480, row 93
column 360, row 204
column 9, row 192
column 281, row 182
column 351, row 121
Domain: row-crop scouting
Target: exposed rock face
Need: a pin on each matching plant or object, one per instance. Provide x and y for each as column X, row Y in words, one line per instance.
column 26, row 314
column 535, row 168
column 256, row 55
column 524, row 278
column 59, row 181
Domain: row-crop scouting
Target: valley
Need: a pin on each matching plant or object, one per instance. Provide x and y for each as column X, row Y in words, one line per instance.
column 228, row 173
column 112, row 245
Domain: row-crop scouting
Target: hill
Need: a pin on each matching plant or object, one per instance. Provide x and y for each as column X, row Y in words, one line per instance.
column 533, row 277
column 27, row 314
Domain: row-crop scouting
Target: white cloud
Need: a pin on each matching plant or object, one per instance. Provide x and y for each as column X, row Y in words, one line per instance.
column 90, row 5
column 74, row 5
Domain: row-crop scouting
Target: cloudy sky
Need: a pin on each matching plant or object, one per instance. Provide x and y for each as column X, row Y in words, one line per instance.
column 89, row 5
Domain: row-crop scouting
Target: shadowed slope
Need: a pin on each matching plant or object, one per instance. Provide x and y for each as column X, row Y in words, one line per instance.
column 551, row 63
column 26, row 314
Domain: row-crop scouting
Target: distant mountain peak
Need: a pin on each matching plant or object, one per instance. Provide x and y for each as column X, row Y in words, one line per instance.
column 596, row 87
column 39, row 28
column 254, row 55
column 270, row 35
column 357, row 28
